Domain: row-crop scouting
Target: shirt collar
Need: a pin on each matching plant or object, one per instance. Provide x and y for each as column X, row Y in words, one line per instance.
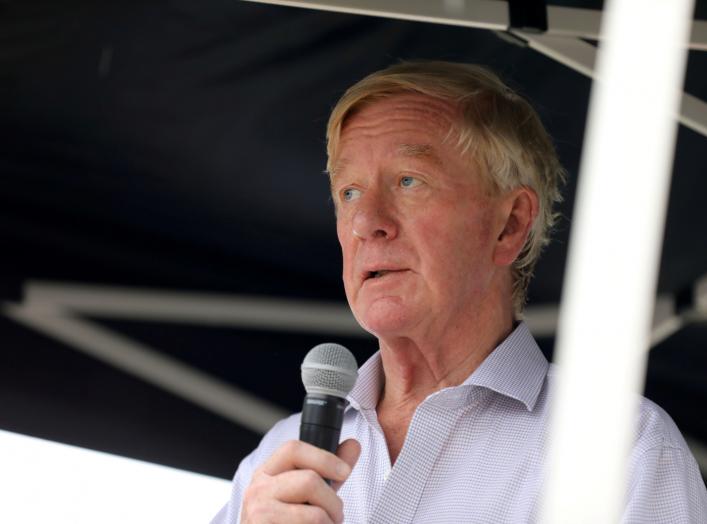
column 516, row 368
column 369, row 384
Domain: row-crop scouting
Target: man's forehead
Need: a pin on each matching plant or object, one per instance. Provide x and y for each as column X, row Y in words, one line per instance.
column 427, row 125
column 423, row 151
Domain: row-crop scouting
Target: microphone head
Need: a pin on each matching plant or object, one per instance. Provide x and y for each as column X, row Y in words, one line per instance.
column 329, row 369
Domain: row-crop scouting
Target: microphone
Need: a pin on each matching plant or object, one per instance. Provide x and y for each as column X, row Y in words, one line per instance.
column 329, row 372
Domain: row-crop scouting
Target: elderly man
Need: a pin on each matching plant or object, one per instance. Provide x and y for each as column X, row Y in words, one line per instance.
column 444, row 182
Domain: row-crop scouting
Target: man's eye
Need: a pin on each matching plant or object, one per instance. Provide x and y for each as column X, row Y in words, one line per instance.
column 409, row 181
column 350, row 193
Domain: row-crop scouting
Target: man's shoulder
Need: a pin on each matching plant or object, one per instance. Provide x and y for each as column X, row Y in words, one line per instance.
column 655, row 428
column 665, row 484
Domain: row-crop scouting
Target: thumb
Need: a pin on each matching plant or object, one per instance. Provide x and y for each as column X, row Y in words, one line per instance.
column 348, row 451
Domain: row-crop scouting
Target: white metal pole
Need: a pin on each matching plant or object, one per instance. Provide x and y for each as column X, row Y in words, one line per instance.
column 614, row 252
column 152, row 366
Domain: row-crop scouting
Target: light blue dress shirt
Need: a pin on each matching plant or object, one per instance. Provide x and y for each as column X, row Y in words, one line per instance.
column 474, row 453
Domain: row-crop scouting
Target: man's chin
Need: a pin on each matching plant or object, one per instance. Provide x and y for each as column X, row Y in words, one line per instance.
column 386, row 321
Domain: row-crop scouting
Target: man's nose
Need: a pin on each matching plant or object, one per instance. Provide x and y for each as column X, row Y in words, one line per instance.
column 374, row 219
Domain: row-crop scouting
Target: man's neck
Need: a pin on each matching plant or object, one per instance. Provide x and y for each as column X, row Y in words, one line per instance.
column 414, row 368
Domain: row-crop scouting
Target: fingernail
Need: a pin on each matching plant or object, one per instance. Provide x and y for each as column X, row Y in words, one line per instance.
column 343, row 469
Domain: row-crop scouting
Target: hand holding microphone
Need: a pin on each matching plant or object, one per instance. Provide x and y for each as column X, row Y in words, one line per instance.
column 290, row 487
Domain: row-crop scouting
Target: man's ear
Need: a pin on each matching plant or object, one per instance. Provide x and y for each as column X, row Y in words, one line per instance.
column 519, row 209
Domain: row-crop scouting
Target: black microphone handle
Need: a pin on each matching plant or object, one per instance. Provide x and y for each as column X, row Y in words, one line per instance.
column 322, row 417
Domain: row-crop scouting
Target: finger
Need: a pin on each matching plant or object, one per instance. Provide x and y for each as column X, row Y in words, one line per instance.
column 307, row 486
column 348, row 451
column 296, row 454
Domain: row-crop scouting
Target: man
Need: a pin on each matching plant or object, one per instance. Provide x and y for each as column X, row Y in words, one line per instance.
column 444, row 182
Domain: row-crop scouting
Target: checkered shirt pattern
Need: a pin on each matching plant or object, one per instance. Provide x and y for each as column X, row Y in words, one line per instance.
column 474, row 453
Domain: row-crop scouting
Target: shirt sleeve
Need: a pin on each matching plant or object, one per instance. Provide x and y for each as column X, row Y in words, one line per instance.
column 280, row 433
column 230, row 513
column 665, row 485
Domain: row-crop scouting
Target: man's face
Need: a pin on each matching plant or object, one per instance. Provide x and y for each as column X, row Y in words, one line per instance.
column 416, row 223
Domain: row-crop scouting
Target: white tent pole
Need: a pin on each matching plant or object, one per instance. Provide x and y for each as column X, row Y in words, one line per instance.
column 152, row 366
column 614, row 252
column 486, row 14
column 561, row 42
column 214, row 309
column 581, row 56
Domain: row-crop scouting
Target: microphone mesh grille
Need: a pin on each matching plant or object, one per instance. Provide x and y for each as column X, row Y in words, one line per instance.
column 329, row 369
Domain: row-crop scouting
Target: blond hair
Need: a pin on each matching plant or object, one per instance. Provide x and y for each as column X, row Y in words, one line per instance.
column 500, row 131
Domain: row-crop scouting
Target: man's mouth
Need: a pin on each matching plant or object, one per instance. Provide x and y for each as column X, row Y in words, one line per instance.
column 380, row 273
